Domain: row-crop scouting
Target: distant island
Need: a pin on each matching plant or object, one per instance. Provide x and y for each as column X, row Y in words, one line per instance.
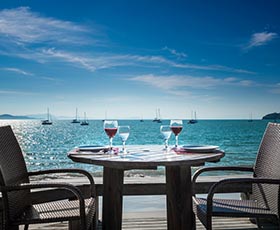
column 12, row 117
column 272, row 116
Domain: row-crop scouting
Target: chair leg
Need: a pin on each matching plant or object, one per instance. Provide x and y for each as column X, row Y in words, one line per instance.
column 258, row 222
column 94, row 223
column 74, row 225
column 209, row 223
column 11, row 228
column 26, row 227
column 194, row 220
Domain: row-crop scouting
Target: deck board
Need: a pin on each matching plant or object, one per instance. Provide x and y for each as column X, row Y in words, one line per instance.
column 159, row 223
column 157, row 220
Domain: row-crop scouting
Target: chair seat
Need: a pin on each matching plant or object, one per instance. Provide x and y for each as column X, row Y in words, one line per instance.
column 232, row 208
column 56, row 211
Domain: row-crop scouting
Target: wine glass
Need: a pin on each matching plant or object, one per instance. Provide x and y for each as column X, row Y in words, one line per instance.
column 110, row 128
column 176, row 126
column 123, row 132
column 166, row 133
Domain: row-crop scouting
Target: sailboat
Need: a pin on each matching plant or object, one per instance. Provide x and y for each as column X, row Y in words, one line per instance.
column 85, row 122
column 157, row 118
column 193, row 120
column 47, row 121
column 251, row 118
column 105, row 116
column 76, row 119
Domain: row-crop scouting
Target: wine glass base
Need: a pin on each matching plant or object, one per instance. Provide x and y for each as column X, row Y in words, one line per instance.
column 175, row 148
column 123, row 153
column 166, row 149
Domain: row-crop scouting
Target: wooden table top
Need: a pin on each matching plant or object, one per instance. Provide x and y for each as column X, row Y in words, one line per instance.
column 144, row 156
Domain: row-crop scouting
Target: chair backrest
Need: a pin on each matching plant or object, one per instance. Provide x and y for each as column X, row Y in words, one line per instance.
column 13, row 171
column 268, row 166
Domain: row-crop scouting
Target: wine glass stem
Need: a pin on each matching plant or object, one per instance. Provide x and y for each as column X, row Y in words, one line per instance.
column 111, row 143
column 166, row 143
column 176, row 137
column 123, row 148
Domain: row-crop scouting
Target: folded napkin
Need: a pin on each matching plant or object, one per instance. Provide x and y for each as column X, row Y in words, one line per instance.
column 94, row 151
column 115, row 150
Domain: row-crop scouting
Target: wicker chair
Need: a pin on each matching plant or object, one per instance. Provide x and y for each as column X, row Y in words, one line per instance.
column 264, row 199
column 16, row 192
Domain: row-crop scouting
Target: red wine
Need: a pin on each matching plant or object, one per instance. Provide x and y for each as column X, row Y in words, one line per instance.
column 111, row 132
column 176, row 129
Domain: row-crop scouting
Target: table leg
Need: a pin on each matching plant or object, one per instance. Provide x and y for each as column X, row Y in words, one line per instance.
column 112, row 198
column 179, row 198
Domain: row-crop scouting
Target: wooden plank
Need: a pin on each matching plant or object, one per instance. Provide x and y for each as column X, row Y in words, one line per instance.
column 160, row 223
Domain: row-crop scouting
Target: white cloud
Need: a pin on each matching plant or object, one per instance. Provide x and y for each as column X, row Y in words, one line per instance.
column 175, row 82
column 22, row 26
column 95, row 61
column 29, row 35
column 69, row 57
column 175, row 53
column 275, row 89
column 15, row 92
column 260, row 39
column 247, row 83
column 230, row 79
column 16, row 70
column 136, row 59
column 51, row 79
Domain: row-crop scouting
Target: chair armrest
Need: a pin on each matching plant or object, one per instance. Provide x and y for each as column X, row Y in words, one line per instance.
column 63, row 186
column 221, row 168
column 79, row 171
column 235, row 181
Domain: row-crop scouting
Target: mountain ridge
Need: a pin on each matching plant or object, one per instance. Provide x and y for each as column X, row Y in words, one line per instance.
column 272, row 116
column 16, row 117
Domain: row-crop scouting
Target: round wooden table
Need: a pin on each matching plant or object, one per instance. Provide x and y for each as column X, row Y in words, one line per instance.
column 178, row 180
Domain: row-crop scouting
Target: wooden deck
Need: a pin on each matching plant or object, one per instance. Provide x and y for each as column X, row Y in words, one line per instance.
column 159, row 223
column 155, row 220
column 219, row 224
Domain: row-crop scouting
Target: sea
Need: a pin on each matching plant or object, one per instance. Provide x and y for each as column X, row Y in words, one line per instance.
column 46, row 146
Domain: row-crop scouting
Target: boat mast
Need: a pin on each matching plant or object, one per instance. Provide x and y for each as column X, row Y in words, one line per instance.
column 48, row 114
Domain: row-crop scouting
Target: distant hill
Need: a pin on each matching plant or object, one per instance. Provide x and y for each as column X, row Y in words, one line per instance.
column 12, row 117
column 272, row 116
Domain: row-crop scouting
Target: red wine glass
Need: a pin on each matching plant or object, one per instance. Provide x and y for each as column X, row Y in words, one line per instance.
column 110, row 128
column 176, row 126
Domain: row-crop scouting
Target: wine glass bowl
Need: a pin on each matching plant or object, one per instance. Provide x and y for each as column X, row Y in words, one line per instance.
column 166, row 133
column 123, row 132
column 110, row 128
column 176, row 126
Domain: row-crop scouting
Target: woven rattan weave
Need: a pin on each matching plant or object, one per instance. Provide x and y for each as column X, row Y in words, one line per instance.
column 265, row 197
column 16, row 191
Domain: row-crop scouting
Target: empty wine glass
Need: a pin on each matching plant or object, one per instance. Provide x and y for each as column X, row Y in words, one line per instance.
column 176, row 126
column 111, row 128
column 166, row 133
column 123, row 132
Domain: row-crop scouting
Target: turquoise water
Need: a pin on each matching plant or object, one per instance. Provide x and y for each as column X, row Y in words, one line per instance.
column 47, row 146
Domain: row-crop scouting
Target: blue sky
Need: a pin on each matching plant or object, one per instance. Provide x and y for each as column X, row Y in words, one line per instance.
column 127, row 58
